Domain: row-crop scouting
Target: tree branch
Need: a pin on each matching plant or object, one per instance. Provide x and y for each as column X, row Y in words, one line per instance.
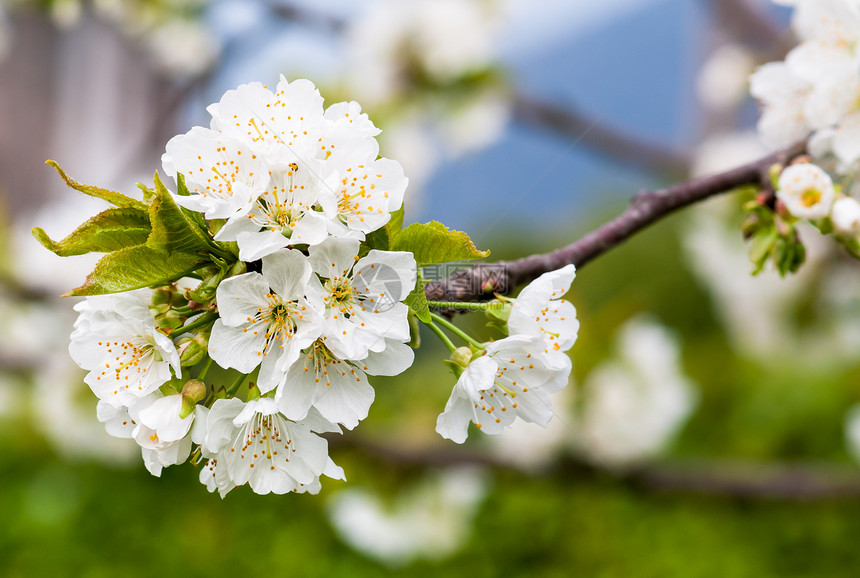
column 729, row 478
column 482, row 280
column 572, row 124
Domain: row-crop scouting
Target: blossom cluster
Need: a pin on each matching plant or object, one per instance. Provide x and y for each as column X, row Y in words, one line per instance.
column 270, row 285
column 815, row 90
column 814, row 94
column 296, row 188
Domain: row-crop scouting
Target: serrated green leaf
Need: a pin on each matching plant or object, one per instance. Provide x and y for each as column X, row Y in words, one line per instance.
column 137, row 267
column 108, row 231
column 433, row 242
column 112, row 197
column 417, row 301
column 174, row 231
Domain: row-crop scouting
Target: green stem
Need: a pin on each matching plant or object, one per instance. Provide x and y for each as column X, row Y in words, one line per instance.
column 202, row 321
column 456, row 330
column 234, row 387
column 441, row 335
column 188, row 311
column 207, row 364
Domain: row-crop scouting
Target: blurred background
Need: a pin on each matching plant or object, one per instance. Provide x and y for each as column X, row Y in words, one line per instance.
column 711, row 428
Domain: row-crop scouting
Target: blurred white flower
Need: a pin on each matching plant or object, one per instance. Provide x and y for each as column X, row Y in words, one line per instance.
column 443, row 39
column 37, row 267
column 476, row 124
column 852, row 431
column 13, row 396
column 723, row 152
column 818, row 85
column 806, row 190
column 634, row 406
column 754, row 310
column 532, row 447
column 846, row 215
column 411, row 141
column 183, row 47
column 723, row 80
column 66, row 13
column 64, row 410
column 783, row 95
column 430, row 521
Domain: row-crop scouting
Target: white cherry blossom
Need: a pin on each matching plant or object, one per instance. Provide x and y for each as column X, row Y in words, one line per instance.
column 265, row 319
column 368, row 191
column 115, row 339
column 223, row 174
column 338, row 388
column 258, row 445
column 511, row 379
column 293, row 210
column 540, row 310
column 361, row 298
column 806, row 190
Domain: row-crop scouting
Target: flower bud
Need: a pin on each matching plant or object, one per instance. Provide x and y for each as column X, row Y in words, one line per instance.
column 846, row 216
column 169, row 320
column 459, row 360
column 162, row 296
column 192, row 348
column 193, row 391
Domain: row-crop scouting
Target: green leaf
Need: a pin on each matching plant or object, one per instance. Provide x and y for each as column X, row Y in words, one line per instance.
column 378, row 239
column 417, row 301
column 395, row 224
column 761, row 245
column 136, row 267
column 174, row 231
column 434, row 243
column 108, row 231
column 114, row 198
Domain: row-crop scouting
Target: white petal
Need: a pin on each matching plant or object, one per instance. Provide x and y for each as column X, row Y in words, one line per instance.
column 239, row 348
column 333, row 257
column 287, row 272
column 393, row 360
column 240, row 297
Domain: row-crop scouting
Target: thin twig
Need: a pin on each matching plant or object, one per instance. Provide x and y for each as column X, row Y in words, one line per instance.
column 483, row 280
